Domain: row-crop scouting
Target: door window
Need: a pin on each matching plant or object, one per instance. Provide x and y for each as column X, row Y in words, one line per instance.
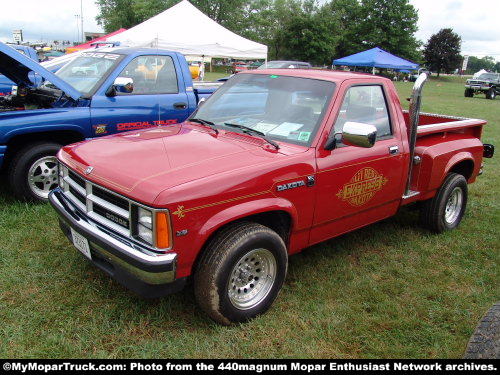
column 365, row 104
column 151, row 75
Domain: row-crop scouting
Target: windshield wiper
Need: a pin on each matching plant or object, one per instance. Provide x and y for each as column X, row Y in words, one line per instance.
column 207, row 123
column 249, row 130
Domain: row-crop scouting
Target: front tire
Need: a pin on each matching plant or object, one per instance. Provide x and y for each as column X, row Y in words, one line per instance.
column 240, row 273
column 445, row 211
column 468, row 93
column 491, row 94
column 33, row 172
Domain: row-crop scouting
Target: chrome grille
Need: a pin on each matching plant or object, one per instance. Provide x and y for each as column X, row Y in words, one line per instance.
column 101, row 205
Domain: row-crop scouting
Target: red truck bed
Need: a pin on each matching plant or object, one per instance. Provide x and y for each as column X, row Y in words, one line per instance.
column 431, row 123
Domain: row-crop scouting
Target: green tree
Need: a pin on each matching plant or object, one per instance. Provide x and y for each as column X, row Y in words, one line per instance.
column 365, row 24
column 475, row 64
column 308, row 35
column 442, row 51
column 114, row 14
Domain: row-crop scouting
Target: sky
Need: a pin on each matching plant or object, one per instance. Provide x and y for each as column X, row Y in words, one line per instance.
column 475, row 21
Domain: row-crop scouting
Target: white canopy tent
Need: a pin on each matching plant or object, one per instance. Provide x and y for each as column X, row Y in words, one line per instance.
column 185, row 29
column 477, row 74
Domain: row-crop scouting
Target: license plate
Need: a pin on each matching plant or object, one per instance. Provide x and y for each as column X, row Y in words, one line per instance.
column 81, row 243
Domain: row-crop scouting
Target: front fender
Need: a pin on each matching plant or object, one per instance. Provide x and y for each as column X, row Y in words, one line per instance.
column 195, row 244
column 247, row 209
column 42, row 129
column 17, row 123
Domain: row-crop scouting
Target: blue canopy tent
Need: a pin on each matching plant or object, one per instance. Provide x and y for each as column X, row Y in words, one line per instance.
column 376, row 58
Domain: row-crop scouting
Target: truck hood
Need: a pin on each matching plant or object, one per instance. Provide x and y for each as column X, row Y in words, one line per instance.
column 142, row 164
column 17, row 67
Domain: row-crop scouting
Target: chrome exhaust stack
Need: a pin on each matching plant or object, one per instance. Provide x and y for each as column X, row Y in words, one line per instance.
column 414, row 113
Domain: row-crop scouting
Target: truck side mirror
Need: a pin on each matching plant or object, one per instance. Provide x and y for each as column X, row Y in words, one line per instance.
column 121, row 85
column 354, row 134
column 359, row 134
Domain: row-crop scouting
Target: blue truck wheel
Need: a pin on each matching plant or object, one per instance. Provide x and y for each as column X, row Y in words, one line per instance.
column 33, row 171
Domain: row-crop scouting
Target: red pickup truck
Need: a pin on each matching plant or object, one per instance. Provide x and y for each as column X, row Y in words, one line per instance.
column 273, row 162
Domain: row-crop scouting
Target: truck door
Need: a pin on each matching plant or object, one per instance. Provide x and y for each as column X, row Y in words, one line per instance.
column 158, row 97
column 357, row 186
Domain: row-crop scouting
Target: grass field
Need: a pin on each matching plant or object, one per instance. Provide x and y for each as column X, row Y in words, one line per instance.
column 388, row 290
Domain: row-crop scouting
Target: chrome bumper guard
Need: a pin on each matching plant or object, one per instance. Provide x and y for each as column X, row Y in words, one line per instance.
column 135, row 266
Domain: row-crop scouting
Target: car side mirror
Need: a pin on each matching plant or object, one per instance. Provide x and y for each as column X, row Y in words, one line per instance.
column 121, row 85
column 202, row 101
column 354, row 134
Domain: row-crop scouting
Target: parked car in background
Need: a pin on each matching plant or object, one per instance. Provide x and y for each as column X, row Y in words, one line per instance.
column 5, row 83
column 272, row 65
column 239, row 67
column 285, row 65
column 275, row 161
column 255, row 65
column 486, row 83
column 97, row 93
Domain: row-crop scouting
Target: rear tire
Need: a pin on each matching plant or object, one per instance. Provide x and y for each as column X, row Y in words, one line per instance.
column 240, row 273
column 33, row 171
column 445, row 211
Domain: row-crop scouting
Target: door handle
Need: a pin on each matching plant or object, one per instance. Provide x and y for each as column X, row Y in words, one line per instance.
column 180, row 105
column 394, row 150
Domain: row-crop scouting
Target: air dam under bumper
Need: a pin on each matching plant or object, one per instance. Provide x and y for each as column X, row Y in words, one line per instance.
column 150, row 276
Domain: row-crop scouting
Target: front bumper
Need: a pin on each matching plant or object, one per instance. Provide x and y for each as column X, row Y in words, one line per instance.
column 477, row 87
column 136, row 267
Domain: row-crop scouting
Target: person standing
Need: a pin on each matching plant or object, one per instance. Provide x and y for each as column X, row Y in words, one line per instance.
column 201, row 75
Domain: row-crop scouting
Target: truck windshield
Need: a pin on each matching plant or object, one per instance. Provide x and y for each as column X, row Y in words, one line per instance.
column 489, row 76
column 86, row 71
column 287, row 109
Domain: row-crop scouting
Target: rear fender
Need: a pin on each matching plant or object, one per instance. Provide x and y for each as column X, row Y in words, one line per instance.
column 439, row 159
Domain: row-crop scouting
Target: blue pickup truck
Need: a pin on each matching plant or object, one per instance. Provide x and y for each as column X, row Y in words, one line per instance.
column 5, row 83
column 96, row 94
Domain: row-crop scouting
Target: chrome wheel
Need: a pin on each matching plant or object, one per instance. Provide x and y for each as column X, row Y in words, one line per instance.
column 42, row 176
column 453, row 205
column 251, row 279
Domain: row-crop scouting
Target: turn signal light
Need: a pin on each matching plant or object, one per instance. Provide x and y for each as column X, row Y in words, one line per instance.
column 163, row 239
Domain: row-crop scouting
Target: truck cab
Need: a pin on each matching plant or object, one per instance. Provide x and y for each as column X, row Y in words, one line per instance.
column 274, row 161
column 98, row 93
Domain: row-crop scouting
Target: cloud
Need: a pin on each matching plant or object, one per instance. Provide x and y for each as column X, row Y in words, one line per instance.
column 475, row 21
column 47, row 20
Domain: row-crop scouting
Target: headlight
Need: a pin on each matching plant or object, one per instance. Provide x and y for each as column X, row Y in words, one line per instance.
column 145, row 225
column 145, row 218
column 153, row 227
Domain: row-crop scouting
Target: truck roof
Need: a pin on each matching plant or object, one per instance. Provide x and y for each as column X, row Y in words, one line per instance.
column 323, row 74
